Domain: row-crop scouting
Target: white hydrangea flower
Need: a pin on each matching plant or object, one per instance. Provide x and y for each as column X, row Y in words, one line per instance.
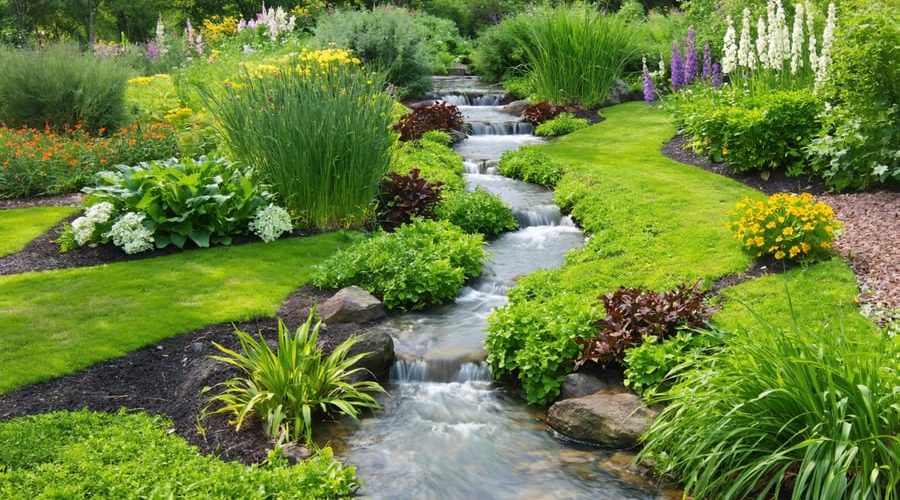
column 129, row 233
column 82, row 230
column 271, row 222
column 99, row 213
column 729, row 60
column 811, row 28
column 762, row 44
column 797, row 40
column 746, row 56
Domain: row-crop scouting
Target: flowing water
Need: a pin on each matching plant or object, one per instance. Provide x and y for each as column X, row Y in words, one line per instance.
column 445, row 430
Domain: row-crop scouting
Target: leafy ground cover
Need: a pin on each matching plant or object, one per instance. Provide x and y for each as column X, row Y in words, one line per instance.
column 57, row 322
column 18, row 226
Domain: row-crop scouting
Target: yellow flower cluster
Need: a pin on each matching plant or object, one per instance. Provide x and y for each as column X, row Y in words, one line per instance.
column 216, row 28
column 785, row 226
column 147, row 80
column 303, row 63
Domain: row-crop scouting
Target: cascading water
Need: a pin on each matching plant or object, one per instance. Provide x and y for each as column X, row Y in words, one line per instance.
column 445, row 430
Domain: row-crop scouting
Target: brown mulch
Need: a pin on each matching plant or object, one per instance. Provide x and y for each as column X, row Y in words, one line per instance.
column 167, row 379
column 871, row 242
column 60, row 200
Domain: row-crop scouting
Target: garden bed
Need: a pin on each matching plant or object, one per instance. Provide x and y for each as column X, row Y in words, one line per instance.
column 167, row 378
column 60, row 200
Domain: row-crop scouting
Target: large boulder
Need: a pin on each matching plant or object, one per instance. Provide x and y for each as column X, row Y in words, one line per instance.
column 380, row 347
column 516, row 108
column 615, row 419
column 351, row 305
column 576, row 385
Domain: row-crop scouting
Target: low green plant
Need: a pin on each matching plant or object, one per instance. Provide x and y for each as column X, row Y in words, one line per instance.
column 478, row 211
column 388, row 41
column 134, row 455
column 60, row 87
column 434, row 158
column 531, row 164
column 286, row 388
column 790, row 414
column 651, row 366
column 575, row 54
column 563, row 124
column 326, row 148
column 422, row 263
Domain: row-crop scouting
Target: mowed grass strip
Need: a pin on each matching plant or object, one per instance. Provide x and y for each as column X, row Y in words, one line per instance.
column 18, row 226
column 58, row 322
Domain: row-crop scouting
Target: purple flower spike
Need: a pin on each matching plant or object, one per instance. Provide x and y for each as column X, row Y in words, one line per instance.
column 676, row 68
column 716, row 76
column 690, row 63
column 152, row 51
column 649, row 89
column 707, row 62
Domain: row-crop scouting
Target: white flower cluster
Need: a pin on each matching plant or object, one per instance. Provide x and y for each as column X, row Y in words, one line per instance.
column 84, row 227
column 729, row 59
column 746, row 56
column 271, row 222
column 129, row 233
column 276, row 21
column 827, row 41
column 797, row 40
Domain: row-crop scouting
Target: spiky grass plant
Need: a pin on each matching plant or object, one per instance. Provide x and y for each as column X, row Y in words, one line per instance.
column 785, row 414
column 316, row 131
column 576, row 54
column 286, row 388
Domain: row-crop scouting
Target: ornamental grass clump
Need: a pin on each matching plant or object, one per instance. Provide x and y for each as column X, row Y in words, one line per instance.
column 785, row 226
column 284, row 389
column 316, row 127
column 784, row 414
column 575, row 54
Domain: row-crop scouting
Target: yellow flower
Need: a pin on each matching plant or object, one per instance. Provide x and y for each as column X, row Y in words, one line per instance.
column 788, row 231
column 794, row 251
column 770, row 225
column 804, row 247
column 779, row 255
column 759, row 241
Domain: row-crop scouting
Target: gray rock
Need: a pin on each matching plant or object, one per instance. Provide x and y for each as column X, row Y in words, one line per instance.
column 295, row 453
column 378, row 363
column 516, row 108
column 604, row 418
column 351, row 305
column 576, row 385
column 457, row 69
column 457, row 136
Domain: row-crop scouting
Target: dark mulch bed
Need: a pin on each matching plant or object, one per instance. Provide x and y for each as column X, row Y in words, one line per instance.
column 167, row 379
column 42, row 254
column 777, row 182
column 60, row 200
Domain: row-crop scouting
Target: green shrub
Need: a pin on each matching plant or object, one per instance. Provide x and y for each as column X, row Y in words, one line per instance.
column 565, row 123
column 321, row 140
column 765, row 132
column 498, row 54
column 857, row 147
column 422, row 263
column 84, row 454
column 442, row 40
column 651, row 366
column 387, row 40
column 284, row 389
column 478, row 211
column 530, row 164
column 61, row 87
column 784, row 414
column 576, row 54
column 471, row 16
column 203, row 201
column 434, row 158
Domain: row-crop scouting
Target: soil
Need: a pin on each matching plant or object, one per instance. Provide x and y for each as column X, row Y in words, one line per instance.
column 167, row 379
column 42, row 254
column 60, row 200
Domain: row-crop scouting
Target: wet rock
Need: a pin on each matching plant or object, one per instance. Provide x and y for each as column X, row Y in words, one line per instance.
column 457, row 136
column 604, row 418
column 516, row 108
column 378, row 363
column 457, row 69
column 295, row 453
column 351, row 305
column 576, row 385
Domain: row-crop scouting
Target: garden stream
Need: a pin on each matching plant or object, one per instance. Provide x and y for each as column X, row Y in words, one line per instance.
column 445, row 430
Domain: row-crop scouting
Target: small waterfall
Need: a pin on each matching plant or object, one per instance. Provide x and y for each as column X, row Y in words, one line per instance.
column 541, row 215
column 473, row 100
column 421, row 370
column 499, row 128
column 483, row 167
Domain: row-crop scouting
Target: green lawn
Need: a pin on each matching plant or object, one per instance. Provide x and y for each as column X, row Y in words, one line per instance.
column 57, row 322
column 18, row 226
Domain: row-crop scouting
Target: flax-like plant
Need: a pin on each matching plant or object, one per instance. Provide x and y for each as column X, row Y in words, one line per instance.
column 285, row 389
column 576, row 54
column 317, row 132
column 785, row 415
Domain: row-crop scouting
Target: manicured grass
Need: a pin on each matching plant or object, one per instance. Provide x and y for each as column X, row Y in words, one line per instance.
column 18, row 226
column 96, row 455
column 57, row 322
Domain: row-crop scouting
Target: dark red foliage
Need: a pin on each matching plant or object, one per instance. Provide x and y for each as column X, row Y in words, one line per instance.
column 438, row 116
column 541, row 112
column 406, row 196
column 633, row 313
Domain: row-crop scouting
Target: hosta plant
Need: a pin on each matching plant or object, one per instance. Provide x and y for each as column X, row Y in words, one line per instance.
column 633, row 314
column 439, row 116
column 785, row 226
column 287, row 388
column 404, row 197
